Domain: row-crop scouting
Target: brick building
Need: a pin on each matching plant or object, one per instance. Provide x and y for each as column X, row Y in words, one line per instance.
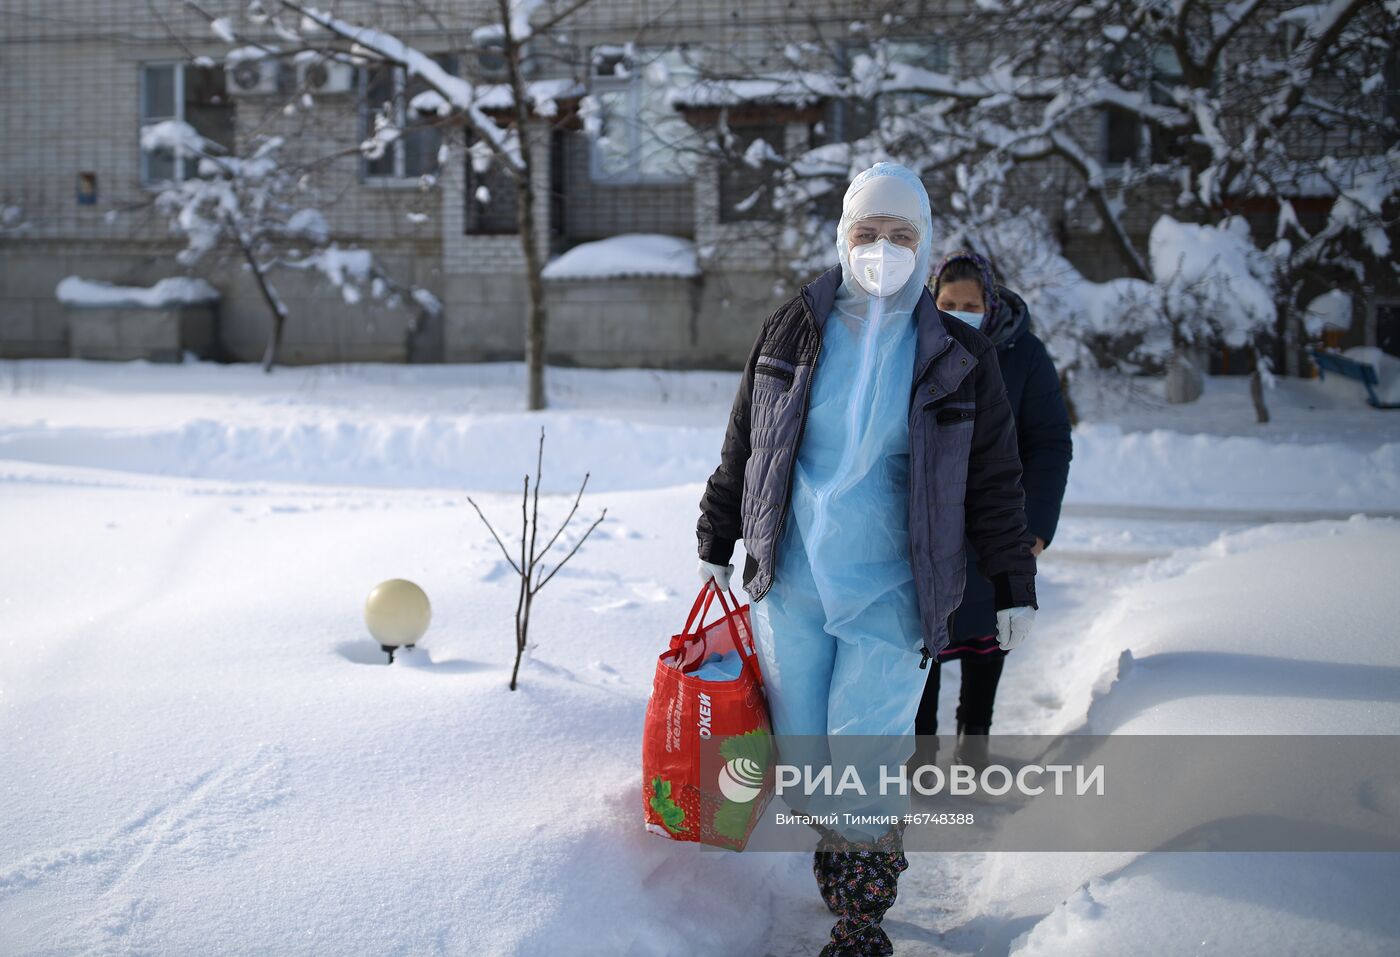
column 81, row 77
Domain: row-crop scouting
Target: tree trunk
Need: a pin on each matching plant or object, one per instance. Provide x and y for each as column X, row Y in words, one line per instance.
column 535, row 334
column 1256, row 390
column 1256, row 393
column 536, row 317
column 274, row 305
column 1294, row 337
column 1185, row 378
column 1069, row 399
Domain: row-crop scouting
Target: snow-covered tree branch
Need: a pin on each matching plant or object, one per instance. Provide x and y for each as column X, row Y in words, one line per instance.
column 501, row 119
column 260, row 207
column 1111, row 116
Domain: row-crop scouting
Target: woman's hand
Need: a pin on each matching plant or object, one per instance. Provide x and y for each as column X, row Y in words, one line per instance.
column 1038, row 547
column 720, row 573
column 1013, row 625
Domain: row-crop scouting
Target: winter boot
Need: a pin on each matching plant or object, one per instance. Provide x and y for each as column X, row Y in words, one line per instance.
column 972, row 748
column 824, row 866
column 824, row 863
column 866, row 882
column 925, row 752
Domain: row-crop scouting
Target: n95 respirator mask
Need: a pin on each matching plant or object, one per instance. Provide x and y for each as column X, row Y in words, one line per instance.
column 881, row 267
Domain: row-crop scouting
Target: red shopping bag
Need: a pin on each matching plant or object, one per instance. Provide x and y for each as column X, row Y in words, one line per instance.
column 707, row 752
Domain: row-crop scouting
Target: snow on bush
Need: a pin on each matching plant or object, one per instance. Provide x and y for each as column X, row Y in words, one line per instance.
column 1212, row 278
column 1331, row 310
column 259, row 206
column 1210, row 283
column 174, row 291
column 631, row 254
column 1387, row 371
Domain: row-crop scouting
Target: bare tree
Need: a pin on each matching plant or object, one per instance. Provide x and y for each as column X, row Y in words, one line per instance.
column 529, row 567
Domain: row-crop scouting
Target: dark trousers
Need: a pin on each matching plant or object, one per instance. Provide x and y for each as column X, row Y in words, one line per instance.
column 980, row 674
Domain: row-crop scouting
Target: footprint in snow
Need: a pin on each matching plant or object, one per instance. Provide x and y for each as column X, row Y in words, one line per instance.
column 615, row 530
column 650, row 589
column 209, row 817
column 615, row 605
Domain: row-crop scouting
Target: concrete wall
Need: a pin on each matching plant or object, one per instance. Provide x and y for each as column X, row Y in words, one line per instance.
column 622, row 322
column 157, row 335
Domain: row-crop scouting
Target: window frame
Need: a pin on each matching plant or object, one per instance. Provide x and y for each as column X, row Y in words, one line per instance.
column 762, row 210
column 398, row 149
column 184, row 168
column 1148, row 143
column 937, row 44
column 632, row 85
column 143, row 162
column 472, row 217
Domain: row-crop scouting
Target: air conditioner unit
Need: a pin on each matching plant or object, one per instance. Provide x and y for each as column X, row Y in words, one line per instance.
column 491, row 60
column 326, row 76
column 611, row 63
column 252, row 77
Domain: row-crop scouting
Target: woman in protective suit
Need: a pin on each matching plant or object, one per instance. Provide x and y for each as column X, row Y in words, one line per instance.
column 869, row 436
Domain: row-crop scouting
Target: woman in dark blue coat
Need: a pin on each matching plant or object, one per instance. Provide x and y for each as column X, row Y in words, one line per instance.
column 964, row 286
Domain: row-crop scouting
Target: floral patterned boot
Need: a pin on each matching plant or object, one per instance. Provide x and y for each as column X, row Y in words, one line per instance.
column 824, row 866
column 865, row 881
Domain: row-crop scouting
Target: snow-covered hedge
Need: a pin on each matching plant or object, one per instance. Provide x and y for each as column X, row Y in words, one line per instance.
column 631, row 254
column 175, row 291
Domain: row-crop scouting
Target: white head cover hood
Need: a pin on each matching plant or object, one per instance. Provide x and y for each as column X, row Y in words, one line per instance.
column 885, row 189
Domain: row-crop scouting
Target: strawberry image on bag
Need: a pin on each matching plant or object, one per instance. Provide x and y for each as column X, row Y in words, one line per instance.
column 707, row 747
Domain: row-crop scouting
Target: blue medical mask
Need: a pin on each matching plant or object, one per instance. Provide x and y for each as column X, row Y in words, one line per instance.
column 973, row 319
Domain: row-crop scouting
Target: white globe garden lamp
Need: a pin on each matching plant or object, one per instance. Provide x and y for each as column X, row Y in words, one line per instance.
column 397, row 614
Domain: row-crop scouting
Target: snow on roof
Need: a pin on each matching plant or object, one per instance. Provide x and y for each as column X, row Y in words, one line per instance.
column 631, row 254
column 792, row 88
column 498, row 96
column 175, row 291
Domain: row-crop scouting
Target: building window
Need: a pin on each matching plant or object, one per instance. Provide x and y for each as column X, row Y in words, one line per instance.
column 637, row 136
column 1126, row 138
column 746, row 177
column 193, row 94
column 927, row 53
column 388, row 91
column 922, row 53
column 1122, row 137
column 491, row 195
column 848, row 118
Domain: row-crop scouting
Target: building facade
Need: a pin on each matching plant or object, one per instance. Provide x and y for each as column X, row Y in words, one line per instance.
column 80, row 79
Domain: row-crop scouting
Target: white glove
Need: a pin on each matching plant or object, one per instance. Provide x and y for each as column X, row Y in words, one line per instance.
column 1013, row 625
column 720, row 573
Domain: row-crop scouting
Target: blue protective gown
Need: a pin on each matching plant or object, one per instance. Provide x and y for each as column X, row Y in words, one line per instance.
column 838, row 632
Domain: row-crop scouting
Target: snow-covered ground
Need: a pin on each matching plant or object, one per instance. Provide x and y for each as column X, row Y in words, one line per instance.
column 203, row 753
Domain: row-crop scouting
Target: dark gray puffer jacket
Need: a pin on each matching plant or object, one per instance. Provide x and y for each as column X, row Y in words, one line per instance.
column 965, row 466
